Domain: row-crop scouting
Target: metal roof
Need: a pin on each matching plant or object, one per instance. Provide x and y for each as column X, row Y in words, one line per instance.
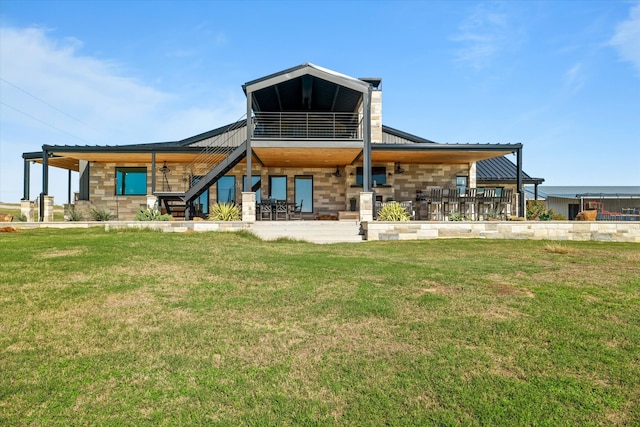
column 578, row 191
column 304, row 88
column 501, row 169
column 405, row 135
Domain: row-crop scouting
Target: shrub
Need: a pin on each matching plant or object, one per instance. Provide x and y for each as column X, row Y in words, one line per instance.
column 393, row 212
column 535, row 209
column 20, row 217
column 224, row 212
column 150, row 214
column 101, row 214
column 74, row 215
column 457, row 216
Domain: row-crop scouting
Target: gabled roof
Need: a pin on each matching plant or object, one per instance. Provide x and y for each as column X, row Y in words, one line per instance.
column 306, row 87
column 501, row 169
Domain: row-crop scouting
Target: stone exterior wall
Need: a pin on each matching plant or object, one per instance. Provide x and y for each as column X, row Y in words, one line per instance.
column 536, row 230
column 331, row 194
column 376, row 116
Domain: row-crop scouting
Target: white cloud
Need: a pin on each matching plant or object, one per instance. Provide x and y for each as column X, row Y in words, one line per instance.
column 95, row 101
column 574, row 79
column 627, row 38
column 484, row 34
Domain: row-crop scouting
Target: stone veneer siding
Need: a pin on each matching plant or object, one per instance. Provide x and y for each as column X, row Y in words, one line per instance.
column 330, row 194
column 623, row 231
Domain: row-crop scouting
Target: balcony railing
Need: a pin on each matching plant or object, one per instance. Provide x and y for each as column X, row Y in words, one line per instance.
column 307, row 125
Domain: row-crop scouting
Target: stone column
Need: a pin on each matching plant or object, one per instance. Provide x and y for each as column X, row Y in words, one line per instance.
column 48, row 208
column 28, row 209
column 366, row 206
column 248, row 207
column 472, row 175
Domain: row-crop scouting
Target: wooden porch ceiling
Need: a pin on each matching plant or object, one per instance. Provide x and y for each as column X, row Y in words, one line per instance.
column 285, row 157
column 433, row 157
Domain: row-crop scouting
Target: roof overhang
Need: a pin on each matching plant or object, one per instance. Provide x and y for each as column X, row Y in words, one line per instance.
column 439, row 153
column 281, row 154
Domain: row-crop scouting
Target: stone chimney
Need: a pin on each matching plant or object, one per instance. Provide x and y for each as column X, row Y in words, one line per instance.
column 376, row 108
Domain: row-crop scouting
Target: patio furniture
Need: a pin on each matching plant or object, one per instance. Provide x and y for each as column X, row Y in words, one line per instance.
column 504, row 204
column 265, row 209
column 434, row 205
column 408, row 206
column 281, row 210
column 486, row 204
column 296, row 210
column 451, row 202
column 468, row 201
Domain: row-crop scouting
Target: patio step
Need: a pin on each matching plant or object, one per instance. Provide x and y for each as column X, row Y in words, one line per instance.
column 311, row 231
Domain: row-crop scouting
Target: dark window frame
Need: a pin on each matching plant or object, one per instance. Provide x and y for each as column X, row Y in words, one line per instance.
column 286, row 187
column 124, row 171
column 376, row 171
column 307, row 205
column 218, row 190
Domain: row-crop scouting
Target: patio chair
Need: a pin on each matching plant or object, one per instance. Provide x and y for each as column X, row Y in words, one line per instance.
column 434, row 207
column 408, row 207
column 486, row 203
column 468, row 203
column 266, row 209
column 281, row 210
column 504, row 205
column 452, row 202
column 296, row 211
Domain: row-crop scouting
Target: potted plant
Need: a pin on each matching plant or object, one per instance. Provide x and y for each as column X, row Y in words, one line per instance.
column 352, row 203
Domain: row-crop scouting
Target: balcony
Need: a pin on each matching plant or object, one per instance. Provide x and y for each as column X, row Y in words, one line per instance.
column 312, row 125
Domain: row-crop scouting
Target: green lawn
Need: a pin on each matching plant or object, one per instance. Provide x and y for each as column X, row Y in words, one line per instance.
column 146, row 328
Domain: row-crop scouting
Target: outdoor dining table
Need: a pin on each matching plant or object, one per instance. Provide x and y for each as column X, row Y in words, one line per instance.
column 273, row 208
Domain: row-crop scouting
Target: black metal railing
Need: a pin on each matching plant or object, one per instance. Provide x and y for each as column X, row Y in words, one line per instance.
column 307, row 125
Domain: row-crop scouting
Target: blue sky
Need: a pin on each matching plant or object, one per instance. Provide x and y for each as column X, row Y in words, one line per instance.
column 561, row 77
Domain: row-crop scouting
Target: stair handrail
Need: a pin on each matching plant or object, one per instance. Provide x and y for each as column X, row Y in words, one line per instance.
column 210, row 154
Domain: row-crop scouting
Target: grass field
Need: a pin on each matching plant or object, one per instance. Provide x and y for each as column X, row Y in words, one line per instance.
column 145, row 328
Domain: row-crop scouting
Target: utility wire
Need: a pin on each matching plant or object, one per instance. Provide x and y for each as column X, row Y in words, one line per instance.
column 43, row 122
column 43, row 101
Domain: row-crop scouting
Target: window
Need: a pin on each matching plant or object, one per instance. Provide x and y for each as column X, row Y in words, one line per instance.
column 461, row 183
column 304, row 192
column 131, row 181
column 278, row 187
column 202, row 202
column 255, row 184
column 226, row 189
column 378, row 175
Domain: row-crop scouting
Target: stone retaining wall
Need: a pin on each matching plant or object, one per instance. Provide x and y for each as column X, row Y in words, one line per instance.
column 623, row 231
column 538, row 230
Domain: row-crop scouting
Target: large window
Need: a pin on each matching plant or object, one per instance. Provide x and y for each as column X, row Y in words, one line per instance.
column 278, row 187
column 461, row 183
column 227, row 189
column 304, row 192
column 131, row 181
column 378, row 175
column 255, row 184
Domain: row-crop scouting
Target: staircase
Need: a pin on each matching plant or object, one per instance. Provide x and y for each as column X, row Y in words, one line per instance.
column 181, row 205
column 311, row 231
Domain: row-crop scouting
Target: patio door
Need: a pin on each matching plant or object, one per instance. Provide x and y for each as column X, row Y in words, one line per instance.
column 304, row 192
